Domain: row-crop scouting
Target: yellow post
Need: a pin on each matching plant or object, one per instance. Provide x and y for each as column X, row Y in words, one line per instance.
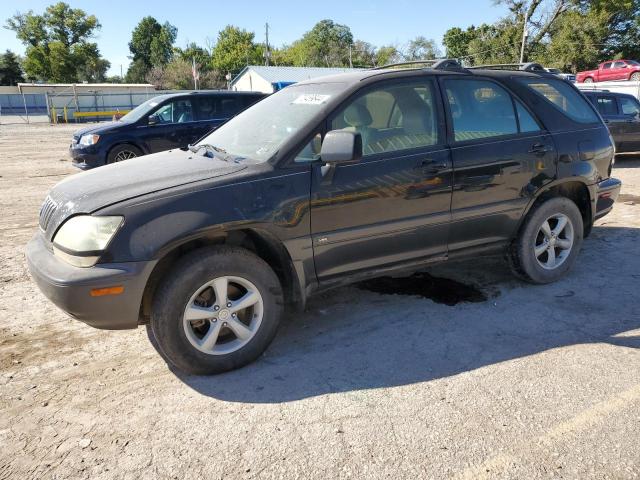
column 54, row 118
column 65, row 114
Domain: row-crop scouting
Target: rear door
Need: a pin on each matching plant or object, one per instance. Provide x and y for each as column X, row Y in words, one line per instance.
column 619, row 71
column 499, row 152
column 394, row 205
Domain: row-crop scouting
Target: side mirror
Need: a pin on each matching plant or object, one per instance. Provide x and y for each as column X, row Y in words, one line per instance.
column 341, row 147
column 152, row 120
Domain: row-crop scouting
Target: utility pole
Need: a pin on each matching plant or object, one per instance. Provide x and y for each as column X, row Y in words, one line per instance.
column 121, row 76
column 267, row 53
column 525, row 34
column 350, row 58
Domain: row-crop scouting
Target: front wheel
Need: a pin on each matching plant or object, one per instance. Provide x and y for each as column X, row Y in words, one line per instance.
column 549, row 241
column 588, row 80
column 217, row 310
column 123, row 152
column 635, row 77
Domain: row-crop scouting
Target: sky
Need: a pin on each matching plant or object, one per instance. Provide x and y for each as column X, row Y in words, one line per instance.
column 379, row 22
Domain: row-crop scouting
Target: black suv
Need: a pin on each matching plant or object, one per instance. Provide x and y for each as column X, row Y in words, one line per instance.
column 621, row 113
column 161, row 123
column 322, row 184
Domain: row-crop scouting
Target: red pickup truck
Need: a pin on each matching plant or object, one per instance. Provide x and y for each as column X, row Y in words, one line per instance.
column 614, row 70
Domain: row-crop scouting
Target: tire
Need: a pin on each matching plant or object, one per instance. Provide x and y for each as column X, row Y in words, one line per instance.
column 123, row 152
column 635, row 77
column 548, row 266
column 588, row 80
column 189, row 290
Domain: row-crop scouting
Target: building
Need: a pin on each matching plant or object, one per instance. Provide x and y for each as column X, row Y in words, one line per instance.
column 258, row 78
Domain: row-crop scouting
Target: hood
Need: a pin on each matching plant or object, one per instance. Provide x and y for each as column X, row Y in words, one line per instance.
column 98, row 129
column 89, row 191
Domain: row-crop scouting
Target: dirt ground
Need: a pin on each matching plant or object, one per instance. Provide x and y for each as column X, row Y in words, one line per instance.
column 524, row 382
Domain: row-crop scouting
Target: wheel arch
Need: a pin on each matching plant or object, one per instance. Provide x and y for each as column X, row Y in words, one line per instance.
column 262, row 243
column 576, row 190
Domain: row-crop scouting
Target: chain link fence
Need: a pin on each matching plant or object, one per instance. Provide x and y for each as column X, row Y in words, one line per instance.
column 70, row 106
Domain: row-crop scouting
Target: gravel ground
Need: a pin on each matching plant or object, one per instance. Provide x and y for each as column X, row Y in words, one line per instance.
column 533, row 382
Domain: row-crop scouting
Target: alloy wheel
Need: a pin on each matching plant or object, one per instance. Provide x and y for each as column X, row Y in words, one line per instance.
column 554, row 241
column 223, row 315
column 124, row 155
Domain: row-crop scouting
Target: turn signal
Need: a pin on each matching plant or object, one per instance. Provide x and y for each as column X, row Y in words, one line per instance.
column 101, row 292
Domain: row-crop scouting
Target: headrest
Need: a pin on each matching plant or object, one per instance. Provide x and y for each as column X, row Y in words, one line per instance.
column 357, row 115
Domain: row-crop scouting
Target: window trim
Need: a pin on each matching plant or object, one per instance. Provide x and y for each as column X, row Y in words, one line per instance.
column 508, row 136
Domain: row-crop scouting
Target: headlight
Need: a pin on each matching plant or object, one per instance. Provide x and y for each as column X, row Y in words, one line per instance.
column 89, row 139
column 82, row 238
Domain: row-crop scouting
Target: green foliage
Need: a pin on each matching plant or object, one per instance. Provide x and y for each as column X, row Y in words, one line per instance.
column 388, row 54
column 10, row 69
column 234, row 50
column 421, row 48
column 151, row 46
column 193, row 51
column 57, row 44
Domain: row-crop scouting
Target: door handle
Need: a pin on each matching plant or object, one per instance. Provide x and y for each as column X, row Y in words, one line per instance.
column 540, row 149
column 432, row 166
column 605, row 120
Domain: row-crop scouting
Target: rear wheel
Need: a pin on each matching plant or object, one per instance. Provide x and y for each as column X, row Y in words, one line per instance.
column 588, row 80
column 217, row 310
column 123, row 152
column 549, row 241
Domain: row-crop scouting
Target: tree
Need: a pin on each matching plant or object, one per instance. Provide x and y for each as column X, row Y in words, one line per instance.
column 10, row 69
column 387, row 54
column 456, row 41
column 421, row 48
column 151, row 46
column 363, row 54
column 58, row 46
column 326, row 44
column 235, row 49
column 177, row 75
column 193, row 52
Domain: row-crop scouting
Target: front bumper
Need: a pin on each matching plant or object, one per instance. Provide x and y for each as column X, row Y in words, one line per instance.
column 607, row 192
column 86, row 157
column 70, row 287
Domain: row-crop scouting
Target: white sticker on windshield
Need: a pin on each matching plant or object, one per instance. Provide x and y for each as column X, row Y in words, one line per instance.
column 311, row 99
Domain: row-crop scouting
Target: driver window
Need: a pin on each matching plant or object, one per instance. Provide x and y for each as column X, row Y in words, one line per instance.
column 393, row 118
column 176, row 111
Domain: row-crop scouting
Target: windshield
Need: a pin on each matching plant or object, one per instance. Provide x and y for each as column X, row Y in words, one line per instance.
column 141, row 110
column 633, row 62
column 259, row 132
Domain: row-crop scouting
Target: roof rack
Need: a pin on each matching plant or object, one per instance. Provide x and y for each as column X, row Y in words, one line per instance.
column 436, row 64
column 526, row 67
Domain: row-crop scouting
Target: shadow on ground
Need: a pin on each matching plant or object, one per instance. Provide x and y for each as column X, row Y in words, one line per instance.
column 353, row 339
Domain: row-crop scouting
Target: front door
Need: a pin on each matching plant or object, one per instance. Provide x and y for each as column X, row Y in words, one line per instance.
column 394, row 205
column 607, row 105
column 630, row 110
column 169, row 126
column 499, row 152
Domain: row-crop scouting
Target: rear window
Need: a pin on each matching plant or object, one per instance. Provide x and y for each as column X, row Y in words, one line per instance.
column 563, row 97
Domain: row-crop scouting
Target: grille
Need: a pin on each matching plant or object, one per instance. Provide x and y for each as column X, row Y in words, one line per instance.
column 46, row 212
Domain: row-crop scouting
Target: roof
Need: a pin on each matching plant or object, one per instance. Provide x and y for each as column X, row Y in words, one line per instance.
column 273, row 74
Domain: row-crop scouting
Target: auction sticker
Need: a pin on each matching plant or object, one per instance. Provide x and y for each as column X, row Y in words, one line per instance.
column 311, row 99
